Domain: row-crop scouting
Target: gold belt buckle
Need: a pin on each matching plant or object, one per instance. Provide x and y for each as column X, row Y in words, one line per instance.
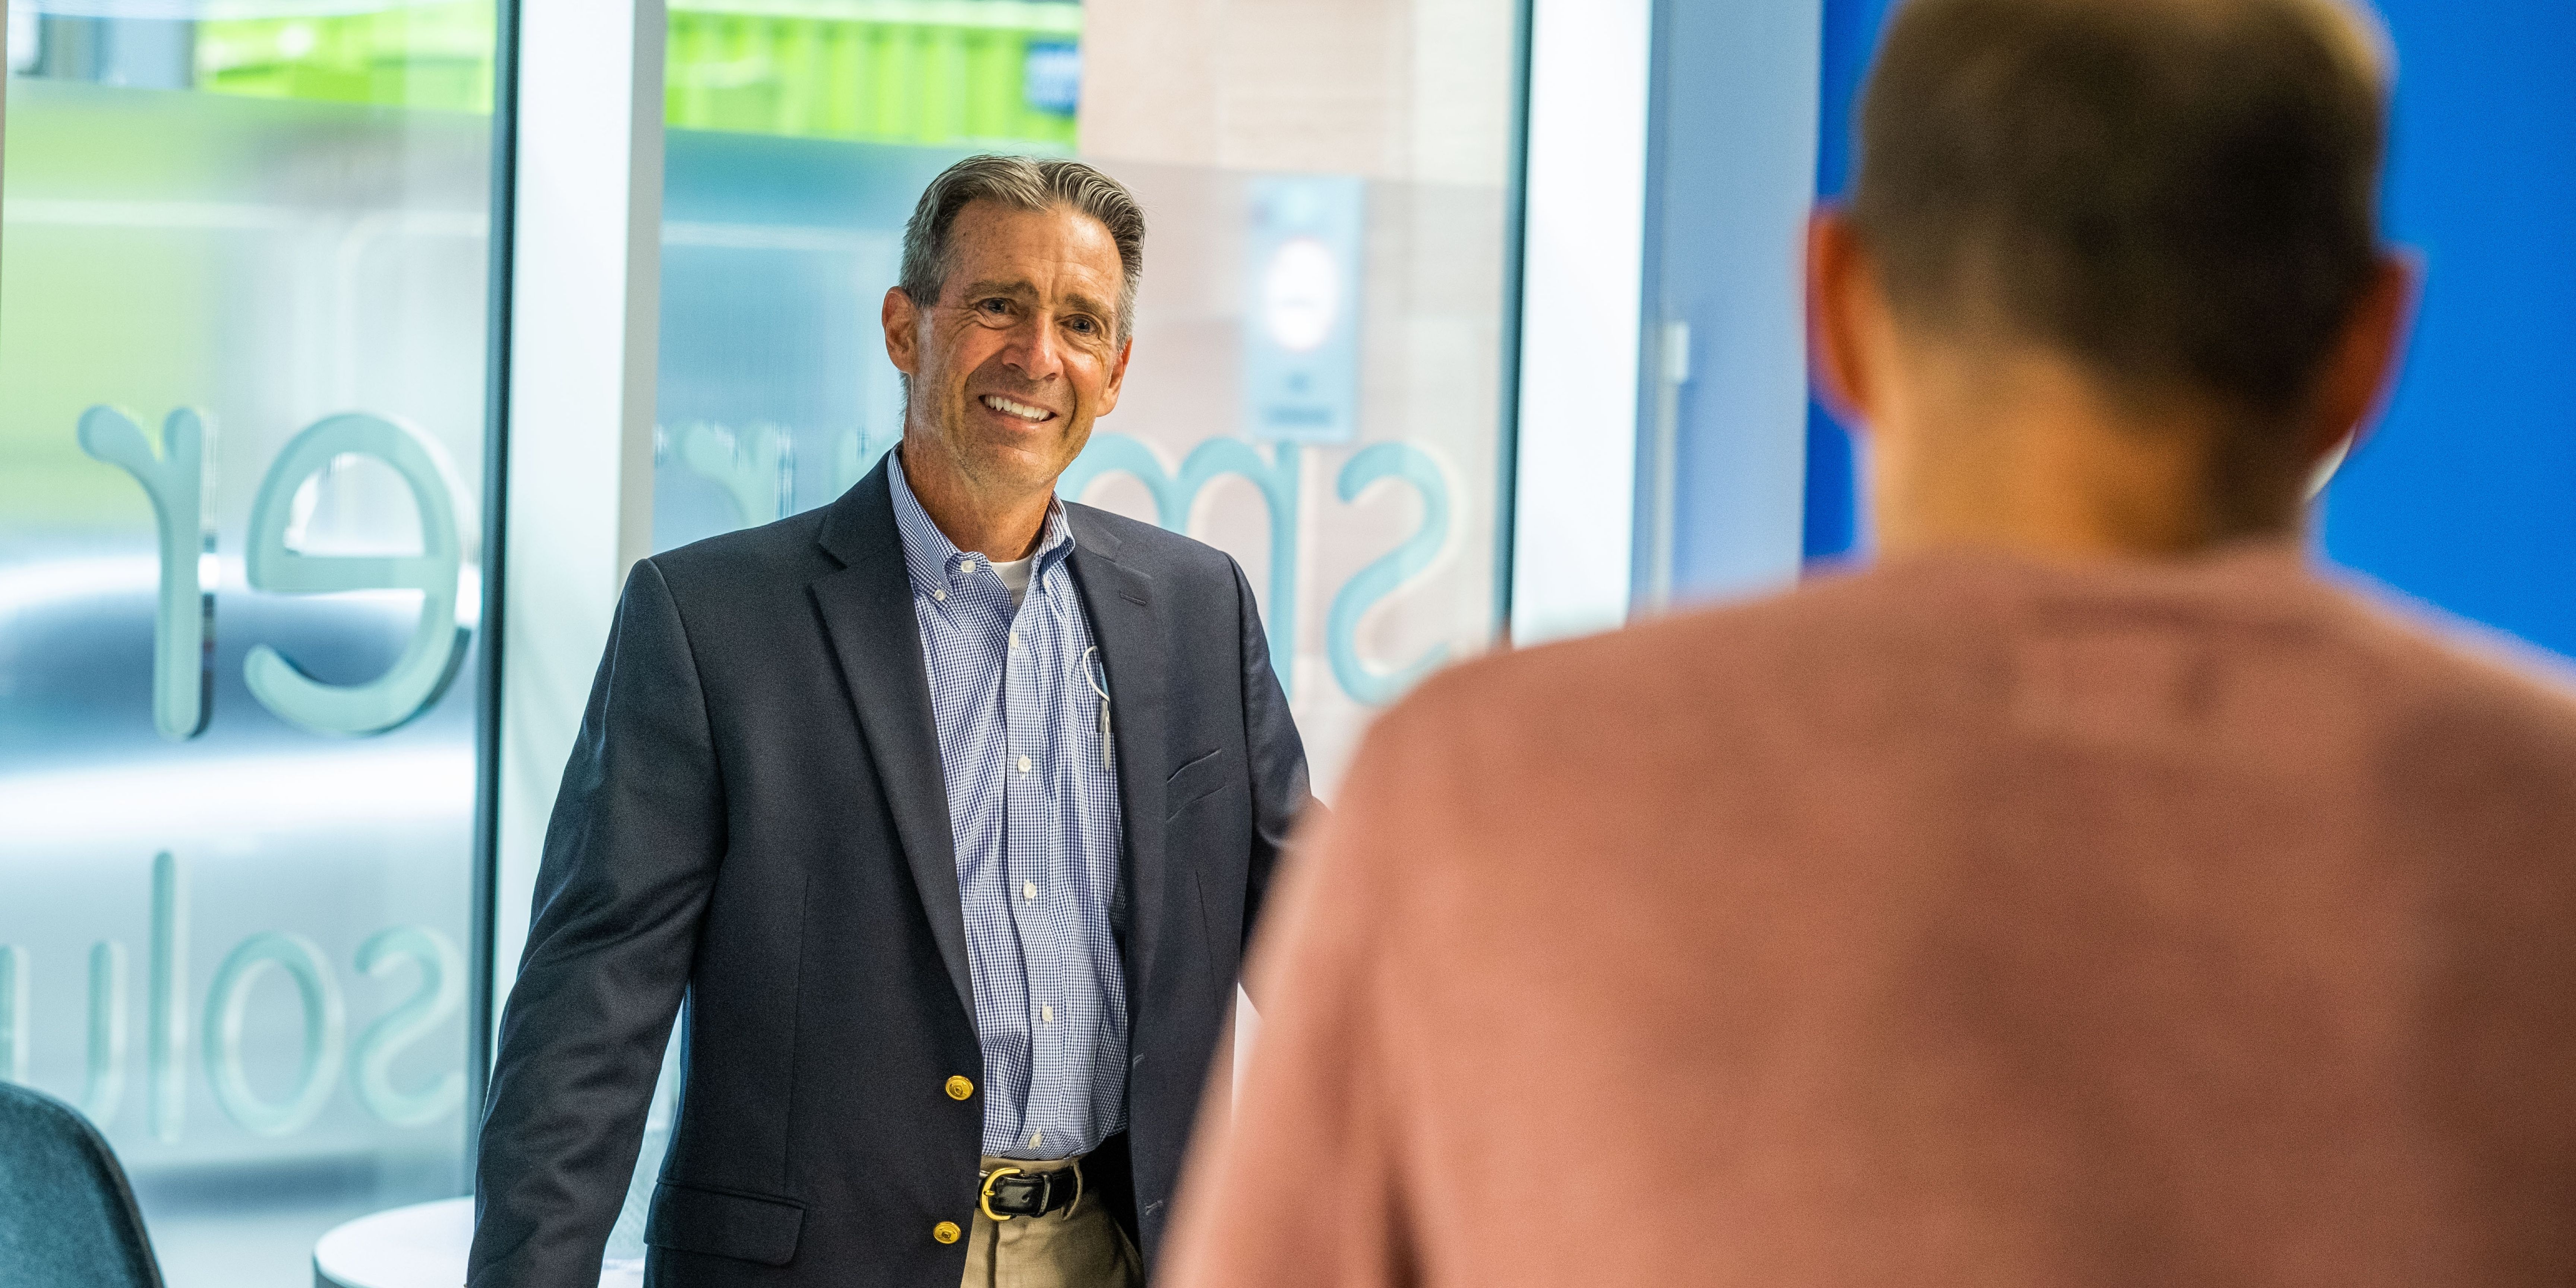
column 985, row 1200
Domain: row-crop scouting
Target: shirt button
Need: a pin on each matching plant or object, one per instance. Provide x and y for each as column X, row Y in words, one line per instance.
column 1035, row 1137
column 945, row 1232
column 940, row 595
column 1015, row 639
column 1024, row 764
column 1046, row 1015
column 966, row 566
column 1028, row 889
column 960, row 1088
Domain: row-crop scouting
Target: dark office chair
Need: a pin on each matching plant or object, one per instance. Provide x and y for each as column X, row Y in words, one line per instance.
column 67, row 1219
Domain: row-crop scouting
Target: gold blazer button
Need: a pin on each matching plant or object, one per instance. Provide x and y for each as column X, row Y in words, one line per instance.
column 959, row 1088
column 945, row 1231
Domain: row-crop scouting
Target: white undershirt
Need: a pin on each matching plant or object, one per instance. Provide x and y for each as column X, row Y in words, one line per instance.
column 1015, row 577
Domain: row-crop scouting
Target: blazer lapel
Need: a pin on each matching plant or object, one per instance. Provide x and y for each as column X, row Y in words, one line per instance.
column 867, row 610
column 1124, row 621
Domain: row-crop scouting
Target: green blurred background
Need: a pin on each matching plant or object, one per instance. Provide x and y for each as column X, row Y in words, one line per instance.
column 974, row 72
column 120, row 192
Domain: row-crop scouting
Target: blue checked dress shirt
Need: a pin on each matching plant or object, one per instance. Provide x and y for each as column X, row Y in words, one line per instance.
column 1017, row 694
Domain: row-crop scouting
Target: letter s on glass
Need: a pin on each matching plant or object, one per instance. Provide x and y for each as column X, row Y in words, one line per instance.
column 440, row 995
column 1381, row 578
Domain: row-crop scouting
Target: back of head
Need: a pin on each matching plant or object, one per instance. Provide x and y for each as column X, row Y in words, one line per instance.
column 2181, row 194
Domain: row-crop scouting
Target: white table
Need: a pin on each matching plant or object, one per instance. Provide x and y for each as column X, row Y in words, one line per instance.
column 421, row 1246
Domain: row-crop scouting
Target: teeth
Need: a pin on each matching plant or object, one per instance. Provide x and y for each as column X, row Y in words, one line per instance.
column 1010, row 408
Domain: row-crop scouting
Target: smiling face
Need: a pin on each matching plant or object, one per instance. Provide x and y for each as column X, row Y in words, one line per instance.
column 1007, row 370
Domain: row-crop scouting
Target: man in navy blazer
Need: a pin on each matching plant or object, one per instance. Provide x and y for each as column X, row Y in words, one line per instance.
column 947, row 808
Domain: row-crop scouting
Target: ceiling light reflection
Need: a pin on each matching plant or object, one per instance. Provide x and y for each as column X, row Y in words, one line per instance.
column 205, row 798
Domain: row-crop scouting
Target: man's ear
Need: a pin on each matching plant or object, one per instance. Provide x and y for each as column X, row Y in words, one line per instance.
column 2362, row 368
column 902, row 331
column 1836, row 268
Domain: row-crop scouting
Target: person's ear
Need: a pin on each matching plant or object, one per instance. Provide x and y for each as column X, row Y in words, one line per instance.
column 1837, row 295
column 902, row 321
column 2362, row 368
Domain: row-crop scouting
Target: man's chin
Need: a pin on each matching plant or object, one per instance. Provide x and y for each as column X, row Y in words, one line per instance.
column 1021, row 468
column 1022, row 457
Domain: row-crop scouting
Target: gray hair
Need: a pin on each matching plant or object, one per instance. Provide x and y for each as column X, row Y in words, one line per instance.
column 1021, row 183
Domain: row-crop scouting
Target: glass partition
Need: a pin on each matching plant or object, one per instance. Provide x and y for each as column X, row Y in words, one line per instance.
column 242, row 348
column 1318, row 365
column 1318, row 361
column 1312, row 388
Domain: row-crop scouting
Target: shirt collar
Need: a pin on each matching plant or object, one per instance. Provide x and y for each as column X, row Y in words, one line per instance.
column 932, row 560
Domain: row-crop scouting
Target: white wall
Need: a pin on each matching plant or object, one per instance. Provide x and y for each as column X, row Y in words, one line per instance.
column 1575, row 490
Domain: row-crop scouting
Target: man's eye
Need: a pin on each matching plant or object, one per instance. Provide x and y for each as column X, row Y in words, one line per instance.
column 1084, row 325
column 995, row 306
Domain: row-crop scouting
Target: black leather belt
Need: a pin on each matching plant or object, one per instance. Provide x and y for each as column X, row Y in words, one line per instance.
column 1010, row 1192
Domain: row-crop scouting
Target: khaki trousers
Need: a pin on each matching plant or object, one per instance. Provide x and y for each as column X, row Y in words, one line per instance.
column 1078, row 1247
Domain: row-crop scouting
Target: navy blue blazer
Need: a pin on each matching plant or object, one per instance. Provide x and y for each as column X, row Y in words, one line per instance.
column 754, row 817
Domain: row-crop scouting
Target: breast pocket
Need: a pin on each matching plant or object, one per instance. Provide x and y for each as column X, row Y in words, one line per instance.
column 1202, row 777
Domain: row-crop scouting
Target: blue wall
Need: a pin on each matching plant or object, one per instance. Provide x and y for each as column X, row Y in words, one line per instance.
column 1733, row 166
column 1851, row 33
column 2465, row 497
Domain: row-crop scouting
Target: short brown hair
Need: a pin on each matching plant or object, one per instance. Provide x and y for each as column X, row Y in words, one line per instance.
column 2180, row 193
column 1021, row 183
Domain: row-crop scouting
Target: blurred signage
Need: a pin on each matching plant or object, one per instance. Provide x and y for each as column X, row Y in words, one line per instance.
column 170, row 1028
column 181, row 488
column 1281, row 477
column 1301, row 348
column 1051, row 77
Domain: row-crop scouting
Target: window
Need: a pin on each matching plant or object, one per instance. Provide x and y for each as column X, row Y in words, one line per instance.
column 243, row 345
column 1319, row 335
column 242, row 348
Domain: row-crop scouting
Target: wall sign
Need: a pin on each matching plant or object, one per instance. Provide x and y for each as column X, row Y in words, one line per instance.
column 181, row 486
column 1301, row 332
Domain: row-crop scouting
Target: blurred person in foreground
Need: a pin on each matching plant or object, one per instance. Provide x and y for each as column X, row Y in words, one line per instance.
column 2088, row 894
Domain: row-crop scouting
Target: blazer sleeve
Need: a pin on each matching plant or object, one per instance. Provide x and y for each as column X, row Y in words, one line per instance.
column 1280, row 791
column 630, row 854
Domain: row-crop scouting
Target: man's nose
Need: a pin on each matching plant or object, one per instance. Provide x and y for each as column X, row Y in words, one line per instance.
column 1034, row 351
